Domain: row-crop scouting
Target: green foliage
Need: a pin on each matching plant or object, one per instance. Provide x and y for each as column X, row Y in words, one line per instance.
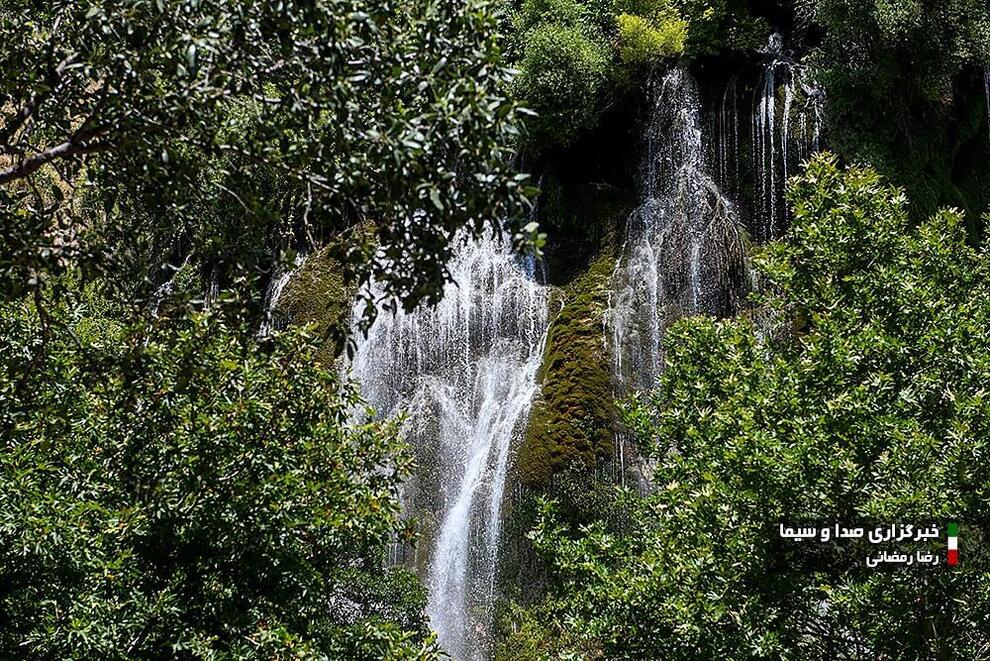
column 183, row 491
column 644, row 40
column 869, row 41
column 195, row 124
column 535, row 639
column 572, row 53
column 897, row 76
column 872, row 408
column 722, row 26
column 575, row 56
column 569, row 13
column 563, row 73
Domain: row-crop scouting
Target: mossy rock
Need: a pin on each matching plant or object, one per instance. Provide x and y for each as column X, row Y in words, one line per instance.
column 319, row 296
column 573, row 421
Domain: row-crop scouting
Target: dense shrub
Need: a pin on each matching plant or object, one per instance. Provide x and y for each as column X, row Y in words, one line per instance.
column 563, row 76
column 903, row 96
column 184, row 491
column 644, row 40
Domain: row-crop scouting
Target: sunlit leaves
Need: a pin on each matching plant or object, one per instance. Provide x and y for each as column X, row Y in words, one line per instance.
column 870, row 406
column 184, row 490
column 251, row 124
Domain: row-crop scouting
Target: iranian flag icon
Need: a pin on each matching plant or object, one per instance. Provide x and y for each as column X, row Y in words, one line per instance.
column 953, row 556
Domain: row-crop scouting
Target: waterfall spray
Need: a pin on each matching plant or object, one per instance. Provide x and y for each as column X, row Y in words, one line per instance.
column 684, row 250
column 276, row 285
column 465, row 372
column 164, row 290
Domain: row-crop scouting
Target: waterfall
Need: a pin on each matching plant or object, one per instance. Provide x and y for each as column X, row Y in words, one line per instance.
column 726, row 137
column 212, row 291
column 465, row 373
column 684, row 250
column 787, row 127
column 276, row 284
column 164, row 290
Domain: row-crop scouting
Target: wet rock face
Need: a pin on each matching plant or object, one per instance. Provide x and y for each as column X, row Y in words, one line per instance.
column 684, row 251
column 572, row 424
column 502, row 367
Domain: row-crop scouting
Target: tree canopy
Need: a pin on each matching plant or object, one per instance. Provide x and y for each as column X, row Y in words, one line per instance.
column 174, row 485
column 296, row 117
column 184, row 491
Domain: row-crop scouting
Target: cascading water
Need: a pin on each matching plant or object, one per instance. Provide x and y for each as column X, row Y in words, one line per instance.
column 787, row 129
column 726, row 137
column 465, row 372
column 684, row 249
column 212, row 292
column 165, row 289
column 276, row 285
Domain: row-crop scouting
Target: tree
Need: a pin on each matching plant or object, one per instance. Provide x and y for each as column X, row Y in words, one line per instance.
column 577, row 56
column 904, row 93
column 390, row 113
column 858, row 393
column 184, row 491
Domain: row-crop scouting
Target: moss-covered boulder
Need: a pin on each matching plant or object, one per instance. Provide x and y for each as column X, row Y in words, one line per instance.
column 573, row 420
column 317, row 294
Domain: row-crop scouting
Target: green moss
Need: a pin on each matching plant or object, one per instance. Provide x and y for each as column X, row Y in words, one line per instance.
column 573, row 420
column 318, row 296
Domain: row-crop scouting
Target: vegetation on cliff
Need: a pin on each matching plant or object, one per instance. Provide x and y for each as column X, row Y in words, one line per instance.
column 576, row 56
column 876, row 410
column 573, row 419
column 317, row 296
column 572, row 422
column 175, row 481
column 903, row 87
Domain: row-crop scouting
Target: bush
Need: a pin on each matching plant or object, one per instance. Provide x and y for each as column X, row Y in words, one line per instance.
column 559, row 12
column 562, row 80
column 187, row 492
column 642, row 40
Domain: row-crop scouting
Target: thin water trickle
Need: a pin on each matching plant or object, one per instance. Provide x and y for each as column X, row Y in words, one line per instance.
column 273, row 295
column 465, row 372
column 788, row 110
column 726, row 137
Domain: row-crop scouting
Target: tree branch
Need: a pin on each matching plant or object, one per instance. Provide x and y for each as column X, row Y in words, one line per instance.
column 30, row 165
column 53, row 85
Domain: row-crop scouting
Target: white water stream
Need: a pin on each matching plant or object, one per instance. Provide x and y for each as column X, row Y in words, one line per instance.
column 788, row 115
column 683, row 253
column 465, row 372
